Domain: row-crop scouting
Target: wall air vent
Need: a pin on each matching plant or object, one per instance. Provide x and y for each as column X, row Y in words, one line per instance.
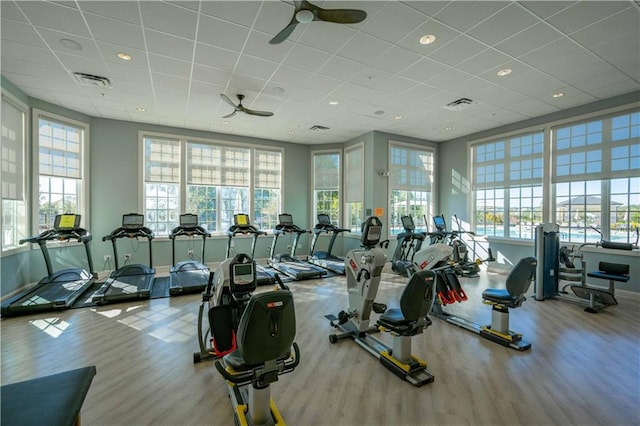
column 318, row 128
column 459, row 105
column 92, row 80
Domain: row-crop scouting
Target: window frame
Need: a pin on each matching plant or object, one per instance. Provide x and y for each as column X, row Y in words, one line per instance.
column 355, row 228
column 314, row 212
column 183, row 183
column 26, row 176
column 84, row 201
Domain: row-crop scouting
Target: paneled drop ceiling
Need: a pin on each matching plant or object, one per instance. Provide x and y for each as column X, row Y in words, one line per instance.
column 350, row 78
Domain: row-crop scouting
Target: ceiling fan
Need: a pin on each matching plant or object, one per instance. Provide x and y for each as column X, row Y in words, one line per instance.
column 242, row 108
column 306, row 12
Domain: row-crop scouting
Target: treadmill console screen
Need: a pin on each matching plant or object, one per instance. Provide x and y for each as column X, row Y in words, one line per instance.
column 407, row 223
column 373, row 235
column 285, row 219
column 323, row 219
column 132, row 221
column 188, row 220
column 65, row 222
column 243, row 273
column 440, row 224
column 241, row 219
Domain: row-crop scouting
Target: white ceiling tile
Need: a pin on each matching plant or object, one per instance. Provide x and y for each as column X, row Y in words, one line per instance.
column 167, row 65
column 202, row 89
column 53, row 37
column 258, row 46
column 11, row 49
column 168, row 18
column 620, row 51
column 55, row 17
column 457, row 50
column 244, row 83
column 615, row 89
column 323, row 83
column 584, row 13
column 20, row 33
column 215, row 57
column 80, row 64
column 122, row 72
column 487, row 59
column 116, row 32
column 326, row 36
column 393, row 22
column 577, row 67
column 429, row 8
column 307, row 58
column 8, row 10
column 110, row 50
column 291, row 75
column 239, row 12
column 442, row 32
column 210, row 75
column 463, row 15
column 396, row 59
column 424, row 70
column 502, row 25
column 217, row 32
column 338, row 67
column 168, row 45
column 553, row 51
column 255, row 67
column 544, row 9
column 165, row 81
column 609, row 28
column 362, row 48
column 529, row 39
column 124, row 11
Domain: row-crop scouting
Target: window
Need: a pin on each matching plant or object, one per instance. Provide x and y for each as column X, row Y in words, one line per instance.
column 15, row 223
column 62, row 152
column 595, row 171
column 354, row 184
column 210, row 179
column 507, row 182
column 410, row 184
column 326, row 185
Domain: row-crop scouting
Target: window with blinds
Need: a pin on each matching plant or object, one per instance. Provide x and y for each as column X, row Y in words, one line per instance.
column 507, row 185
column 354, row 187
column 326, row 185
column 61, row 145
column 410, row 184
column 12, row 158
column 210, row 179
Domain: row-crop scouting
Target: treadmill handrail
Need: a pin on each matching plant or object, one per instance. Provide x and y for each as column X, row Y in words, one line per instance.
column 189, row 232
column 129, row 233
column 244, row 229
column 283, row 229
column 328, row 228
column 79, row 234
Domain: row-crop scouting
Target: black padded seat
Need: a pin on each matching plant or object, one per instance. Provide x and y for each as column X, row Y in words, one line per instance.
column 517, row 284
column 53, row 400
column 266, row 331
column 415, row 302
column 611, row 271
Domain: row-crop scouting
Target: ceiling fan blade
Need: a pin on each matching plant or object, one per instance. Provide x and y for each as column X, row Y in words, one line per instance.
column 286, row 32
column 229, row 101
column 258, row 113
column 340, row 16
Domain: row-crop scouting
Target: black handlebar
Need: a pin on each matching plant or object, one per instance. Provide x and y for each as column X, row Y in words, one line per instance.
column 190, row 231
column 79, row 234
column 129, row 233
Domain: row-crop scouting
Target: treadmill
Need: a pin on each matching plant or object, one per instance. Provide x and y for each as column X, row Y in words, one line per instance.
column 242, row 225
column 409, row 242
column 59, row 289
column 288, row 263
column 188, row 276
column 131, row 281
column 326, row 259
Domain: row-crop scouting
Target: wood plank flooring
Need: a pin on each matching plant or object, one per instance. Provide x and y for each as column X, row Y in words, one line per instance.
column 583, row 369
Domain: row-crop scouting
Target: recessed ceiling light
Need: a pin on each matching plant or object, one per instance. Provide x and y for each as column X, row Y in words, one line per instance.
column 123, row 56
column 70, row 44
column 504, row 72
column 291, row 132
column 427, row 39
column 558, row 95
column 448, row 129
column 379, row 112
column 398, row 117
column 333, row 102
column 141, row 109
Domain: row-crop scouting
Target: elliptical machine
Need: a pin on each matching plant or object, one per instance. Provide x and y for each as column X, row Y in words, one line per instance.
column 364, row 269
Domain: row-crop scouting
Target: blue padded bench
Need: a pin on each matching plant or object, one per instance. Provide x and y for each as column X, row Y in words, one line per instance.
column 51, row 400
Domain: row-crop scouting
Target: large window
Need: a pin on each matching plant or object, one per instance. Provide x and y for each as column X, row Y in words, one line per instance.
column 61, row 154
column 507, row 182
column 410, row 185
column 354, row 187
column 15, row 224
column 326, row 185
column 596, row 164
column 210, row 179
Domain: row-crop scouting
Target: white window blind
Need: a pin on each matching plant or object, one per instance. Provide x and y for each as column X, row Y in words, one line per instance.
column 410, row 169
column 162, row 160
column 60, row 149
column 326, row 171
column 267, row 169
column 12, row 155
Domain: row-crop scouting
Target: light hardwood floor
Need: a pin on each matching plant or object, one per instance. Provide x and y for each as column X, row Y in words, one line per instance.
column 582, row 369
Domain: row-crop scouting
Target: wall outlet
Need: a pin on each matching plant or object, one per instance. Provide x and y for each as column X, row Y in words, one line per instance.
column 190, row 253
column 127, row 256
column 107, row 258
column 288, row 248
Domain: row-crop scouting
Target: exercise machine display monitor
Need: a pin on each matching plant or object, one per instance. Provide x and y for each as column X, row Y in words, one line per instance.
column 131, row 281
column 242, row 226
column 59, row 289
column 326, row 258
column 188, row 276
column 408, row 244
column 288, row 263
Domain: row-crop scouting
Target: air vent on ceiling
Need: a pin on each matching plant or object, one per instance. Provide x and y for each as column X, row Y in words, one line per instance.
column 84, row 79
column 317, row 128
column 459, row 105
